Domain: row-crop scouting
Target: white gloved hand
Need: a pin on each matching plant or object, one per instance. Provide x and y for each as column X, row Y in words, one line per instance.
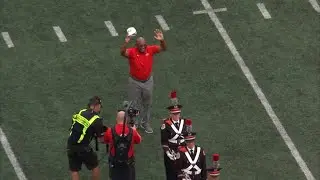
column 170, row 156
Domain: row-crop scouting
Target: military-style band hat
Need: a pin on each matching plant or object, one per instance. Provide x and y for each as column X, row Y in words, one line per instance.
column 175, row 109
column 190, row 136
column 175, row 106
column 213, row 172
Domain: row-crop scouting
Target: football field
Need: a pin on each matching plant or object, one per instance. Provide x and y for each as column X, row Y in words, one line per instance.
column 247, row 73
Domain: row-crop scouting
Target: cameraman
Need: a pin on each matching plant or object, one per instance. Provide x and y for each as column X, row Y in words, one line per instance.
column 122, row 138
column 86, row 125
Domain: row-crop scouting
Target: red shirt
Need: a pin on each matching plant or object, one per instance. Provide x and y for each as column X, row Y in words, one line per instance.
column 141, row 63
column 136, row 138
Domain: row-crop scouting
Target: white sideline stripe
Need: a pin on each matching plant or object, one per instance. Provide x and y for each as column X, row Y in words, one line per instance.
column 315, row 5
column 205, row 11
column 111, row 28
column 294, row 151
column 7, row 39
column 264, row 11
column 162, row 23
column 7, row 148
column 59, row 33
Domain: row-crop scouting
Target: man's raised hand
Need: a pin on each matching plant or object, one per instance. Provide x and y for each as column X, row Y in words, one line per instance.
column 158, row 35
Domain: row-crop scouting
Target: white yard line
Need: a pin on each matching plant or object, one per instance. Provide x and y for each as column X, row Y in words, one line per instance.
column 264, row 11
column 7, row 148
column 59, row 33
column 162, row 23
column 205, row 11
column 7, row 39
column 200, row 12
column 220, row 10
column 111, row 28
column 315, row 5
column 246, row 71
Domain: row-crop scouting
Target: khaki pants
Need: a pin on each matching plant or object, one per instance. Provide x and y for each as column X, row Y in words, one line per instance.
column 141, row 94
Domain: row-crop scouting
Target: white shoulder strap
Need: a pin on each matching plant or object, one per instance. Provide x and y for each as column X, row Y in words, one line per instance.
column 193, row 161
column 180, row 127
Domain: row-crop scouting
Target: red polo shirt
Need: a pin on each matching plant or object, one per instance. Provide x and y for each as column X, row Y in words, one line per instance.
column 141, row 63
column 136, row 139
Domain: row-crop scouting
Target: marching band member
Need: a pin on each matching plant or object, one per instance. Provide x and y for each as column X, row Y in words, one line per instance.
column 192, row 162
column 214, row 172
column 171, row 136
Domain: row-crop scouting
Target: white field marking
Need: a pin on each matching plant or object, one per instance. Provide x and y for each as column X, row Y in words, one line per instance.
column 111, row 28
column 246, row 71
column 7, row 39
column 59, row 33
column 7, row 148
column 220, row 10
column 162, row 23
column 264, row 11
column 205, row 11
column 315, row 5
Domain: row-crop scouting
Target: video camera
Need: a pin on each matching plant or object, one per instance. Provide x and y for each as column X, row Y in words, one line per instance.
column 131, row 112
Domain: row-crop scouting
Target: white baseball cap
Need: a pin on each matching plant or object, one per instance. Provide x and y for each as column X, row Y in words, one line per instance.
column 131, row 31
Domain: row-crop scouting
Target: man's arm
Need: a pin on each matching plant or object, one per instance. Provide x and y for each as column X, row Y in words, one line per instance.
column 136, row 137
column 107, row 136
column 203, row 166
column 159, row 36
column 180, row 162
column 163, row 45
column 164, row 138
column 123, row 49
column 99, row 128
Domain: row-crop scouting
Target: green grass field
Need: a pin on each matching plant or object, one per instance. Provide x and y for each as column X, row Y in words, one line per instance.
column 43, row 81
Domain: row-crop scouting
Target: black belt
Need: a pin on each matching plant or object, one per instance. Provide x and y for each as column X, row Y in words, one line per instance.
column 142, row 81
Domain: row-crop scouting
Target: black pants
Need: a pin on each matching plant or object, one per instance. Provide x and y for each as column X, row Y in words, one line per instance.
column 171, row 170
column 122, row 172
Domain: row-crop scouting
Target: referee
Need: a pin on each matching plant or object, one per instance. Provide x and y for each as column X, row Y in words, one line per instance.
column 140, row 88
column 86, row 124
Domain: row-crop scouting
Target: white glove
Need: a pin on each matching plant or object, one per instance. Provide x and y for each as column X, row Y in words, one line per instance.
column 170, row 156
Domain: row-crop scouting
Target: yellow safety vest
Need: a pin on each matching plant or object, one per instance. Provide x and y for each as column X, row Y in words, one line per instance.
column 78, row 118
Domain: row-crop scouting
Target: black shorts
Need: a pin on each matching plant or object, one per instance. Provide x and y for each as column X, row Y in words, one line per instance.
column 87, row 157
